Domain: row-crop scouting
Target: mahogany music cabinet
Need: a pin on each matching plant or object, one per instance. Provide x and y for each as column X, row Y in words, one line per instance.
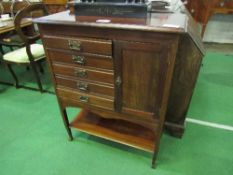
column 131, row 77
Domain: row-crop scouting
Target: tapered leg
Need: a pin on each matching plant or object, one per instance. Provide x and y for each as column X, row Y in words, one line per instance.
column 153, row 164
column 66, row 123
column 155, row 154
column 37, row 77
column 65, row 120
column 16, row 84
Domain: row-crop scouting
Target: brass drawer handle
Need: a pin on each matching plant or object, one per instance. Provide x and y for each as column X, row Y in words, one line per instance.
column 84, row 99
column 82, row 86
column 81, row 73
column 79, row 59
column 75, row 45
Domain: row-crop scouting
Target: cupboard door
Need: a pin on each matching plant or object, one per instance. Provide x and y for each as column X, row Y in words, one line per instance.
column 140, row 76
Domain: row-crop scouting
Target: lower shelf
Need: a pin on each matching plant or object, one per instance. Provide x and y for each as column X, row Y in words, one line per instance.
column 116, row 130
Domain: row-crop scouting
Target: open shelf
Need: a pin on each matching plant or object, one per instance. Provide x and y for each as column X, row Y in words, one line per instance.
column 116, row 130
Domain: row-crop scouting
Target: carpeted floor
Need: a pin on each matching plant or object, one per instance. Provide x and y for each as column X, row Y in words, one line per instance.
column 33, row 139
column 213, row 97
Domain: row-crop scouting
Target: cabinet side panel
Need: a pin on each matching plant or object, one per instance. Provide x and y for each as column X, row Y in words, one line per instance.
column 186, row 71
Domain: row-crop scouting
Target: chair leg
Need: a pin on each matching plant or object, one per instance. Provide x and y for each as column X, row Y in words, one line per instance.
column 1, row 50
column 2, row 53
column 37, row 77
column 40, row 68
column 11, row 48
column 16, row 84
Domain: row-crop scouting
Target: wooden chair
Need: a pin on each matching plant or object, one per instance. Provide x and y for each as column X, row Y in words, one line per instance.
column 1, row 8
column 12, row 40
column 32, row 54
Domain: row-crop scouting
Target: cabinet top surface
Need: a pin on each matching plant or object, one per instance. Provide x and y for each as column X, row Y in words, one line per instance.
column 163, row 22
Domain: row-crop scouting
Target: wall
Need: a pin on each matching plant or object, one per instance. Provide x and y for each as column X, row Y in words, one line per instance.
column 219, row 29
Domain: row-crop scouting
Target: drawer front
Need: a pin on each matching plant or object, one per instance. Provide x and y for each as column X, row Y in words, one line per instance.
column 79, row 59
column 85, row 87
column 83, row 99
column 103, row 47
column 82, row 73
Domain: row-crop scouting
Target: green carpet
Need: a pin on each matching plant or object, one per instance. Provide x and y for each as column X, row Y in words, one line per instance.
column 26, row 78
column 213, row 97
column 33, row 139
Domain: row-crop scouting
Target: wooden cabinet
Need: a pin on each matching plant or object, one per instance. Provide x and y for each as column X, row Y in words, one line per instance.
column 53, row 6
column 203, row 10
column 121, row 76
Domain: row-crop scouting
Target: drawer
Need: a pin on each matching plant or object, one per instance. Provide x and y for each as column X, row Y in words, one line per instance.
column 85, row 87
column 79, row 59
column 83, row 73
column 96, row 46
column 83, row 99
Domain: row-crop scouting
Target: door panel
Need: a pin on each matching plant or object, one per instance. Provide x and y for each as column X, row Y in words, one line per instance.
column 143, row 71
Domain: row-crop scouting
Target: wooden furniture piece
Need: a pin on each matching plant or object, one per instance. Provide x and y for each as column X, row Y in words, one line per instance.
column 202, row 10
column 7, row 28
column 13, row 40
column 55, row 6
column 121, row 74
column 18, row 5
column 32, row 54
